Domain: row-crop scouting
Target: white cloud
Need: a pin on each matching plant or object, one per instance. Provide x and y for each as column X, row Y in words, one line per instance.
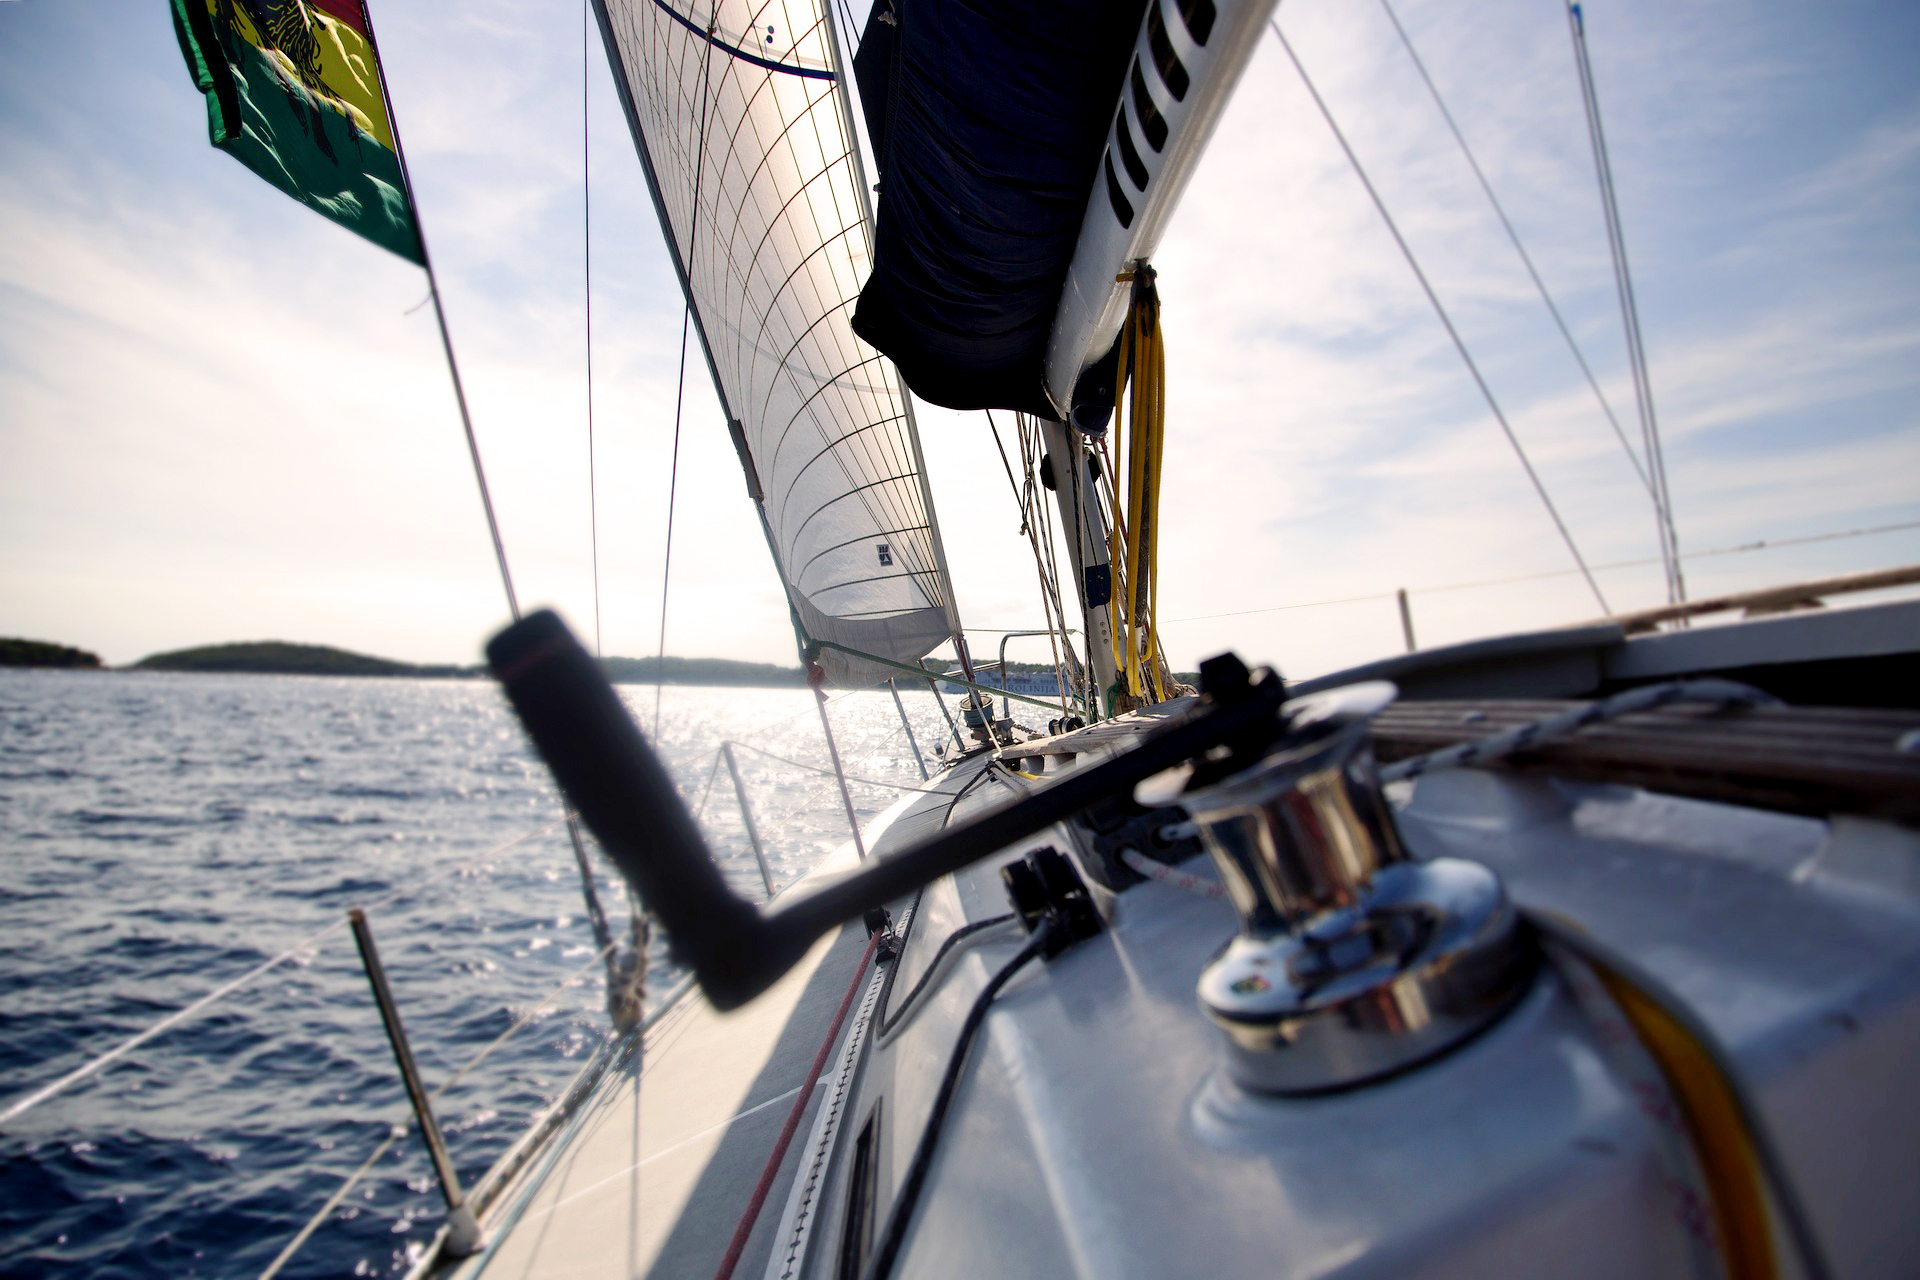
column 217, row 422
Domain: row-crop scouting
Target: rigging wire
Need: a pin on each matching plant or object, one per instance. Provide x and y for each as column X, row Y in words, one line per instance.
column 1526, row 259
column 814, row 768
column 1048, row 603
column 1539, row 487
column 1629, row 310
column 596, row 915
column 673, row 486
column 1033, row 451
column 586, row 291
column 680, row 384
column 446, row 338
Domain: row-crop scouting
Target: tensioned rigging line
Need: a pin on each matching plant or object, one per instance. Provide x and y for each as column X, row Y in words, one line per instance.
column 586, row 267
column 1048, row 603
column 1526, row 259
column 596, row 915
column 446, row 339
column 814, row 768
column 1032, row 447
column 1629, row 310
column 680, row 389
column 1459, row 343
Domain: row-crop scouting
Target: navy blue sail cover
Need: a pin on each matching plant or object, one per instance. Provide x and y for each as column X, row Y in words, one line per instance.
column 988, row 119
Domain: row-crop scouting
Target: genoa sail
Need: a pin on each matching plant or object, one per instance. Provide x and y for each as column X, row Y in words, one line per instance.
column 740, row 119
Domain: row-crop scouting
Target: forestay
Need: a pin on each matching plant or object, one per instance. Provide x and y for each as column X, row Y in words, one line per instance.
column 740, row 121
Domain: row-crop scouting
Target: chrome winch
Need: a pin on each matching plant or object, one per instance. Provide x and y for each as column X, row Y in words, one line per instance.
column 1353, row 960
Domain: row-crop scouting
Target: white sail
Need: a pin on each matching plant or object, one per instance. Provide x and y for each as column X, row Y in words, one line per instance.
column 741, row 123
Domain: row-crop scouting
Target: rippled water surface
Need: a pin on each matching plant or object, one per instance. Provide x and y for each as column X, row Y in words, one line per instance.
column 162, row 834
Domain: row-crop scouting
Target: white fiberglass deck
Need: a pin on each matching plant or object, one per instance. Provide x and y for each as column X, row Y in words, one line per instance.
column 653, row 1174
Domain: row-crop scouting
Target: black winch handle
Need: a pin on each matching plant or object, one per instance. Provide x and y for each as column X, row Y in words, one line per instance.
column 616, row 782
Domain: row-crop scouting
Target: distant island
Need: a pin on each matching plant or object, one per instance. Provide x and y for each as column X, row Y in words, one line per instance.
column 278, row 657
column 281, row 658
column 41, row 653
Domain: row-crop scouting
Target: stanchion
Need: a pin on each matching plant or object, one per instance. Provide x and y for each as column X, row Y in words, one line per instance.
column 463, row 1232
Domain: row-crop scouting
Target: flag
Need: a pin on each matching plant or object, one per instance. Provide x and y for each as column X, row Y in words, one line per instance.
column 293, row 93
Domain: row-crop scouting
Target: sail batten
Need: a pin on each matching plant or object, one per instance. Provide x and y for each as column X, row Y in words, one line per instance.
column 757, row 182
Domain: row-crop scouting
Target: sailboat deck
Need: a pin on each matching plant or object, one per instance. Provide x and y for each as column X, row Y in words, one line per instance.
column 654, row 1172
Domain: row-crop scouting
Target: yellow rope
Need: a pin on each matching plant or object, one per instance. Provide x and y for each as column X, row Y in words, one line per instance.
column 1136, row 489
column 1116, row 532
column 1719, row 1135
column 1156, row 425
column 1134, row 536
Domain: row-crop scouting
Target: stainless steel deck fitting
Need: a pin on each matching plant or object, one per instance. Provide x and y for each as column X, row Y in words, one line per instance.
column 1353, row 960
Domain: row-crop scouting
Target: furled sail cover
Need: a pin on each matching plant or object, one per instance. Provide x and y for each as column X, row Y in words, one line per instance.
column 988, row 120
column 739, row 120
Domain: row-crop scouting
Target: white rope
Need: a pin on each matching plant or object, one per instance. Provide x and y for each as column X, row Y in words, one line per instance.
column 1646, row 698
column 397, row 1131
column 1184, row 880
column 95, row 1065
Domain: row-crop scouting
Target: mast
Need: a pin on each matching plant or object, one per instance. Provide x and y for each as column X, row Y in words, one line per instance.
column 1629, row 313
column 1069, row 460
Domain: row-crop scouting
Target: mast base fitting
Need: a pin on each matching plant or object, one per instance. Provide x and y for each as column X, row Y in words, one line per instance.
column 1353, row 960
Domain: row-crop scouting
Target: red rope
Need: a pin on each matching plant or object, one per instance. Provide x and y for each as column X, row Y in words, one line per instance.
column 738, row 1244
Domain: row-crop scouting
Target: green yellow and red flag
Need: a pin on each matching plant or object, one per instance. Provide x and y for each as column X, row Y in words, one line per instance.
column 293, row 92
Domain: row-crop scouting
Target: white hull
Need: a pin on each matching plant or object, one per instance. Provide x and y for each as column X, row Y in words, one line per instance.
column 1097, row 1132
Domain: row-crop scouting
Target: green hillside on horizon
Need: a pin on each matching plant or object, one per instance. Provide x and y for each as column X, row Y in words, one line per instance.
column 16, row 652
column 284, row 658
column 280, row 657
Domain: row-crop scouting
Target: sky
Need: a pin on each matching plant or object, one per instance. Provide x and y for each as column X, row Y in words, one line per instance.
column 224, row 418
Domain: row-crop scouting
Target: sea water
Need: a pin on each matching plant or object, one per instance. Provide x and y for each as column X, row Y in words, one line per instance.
column 162, row 834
